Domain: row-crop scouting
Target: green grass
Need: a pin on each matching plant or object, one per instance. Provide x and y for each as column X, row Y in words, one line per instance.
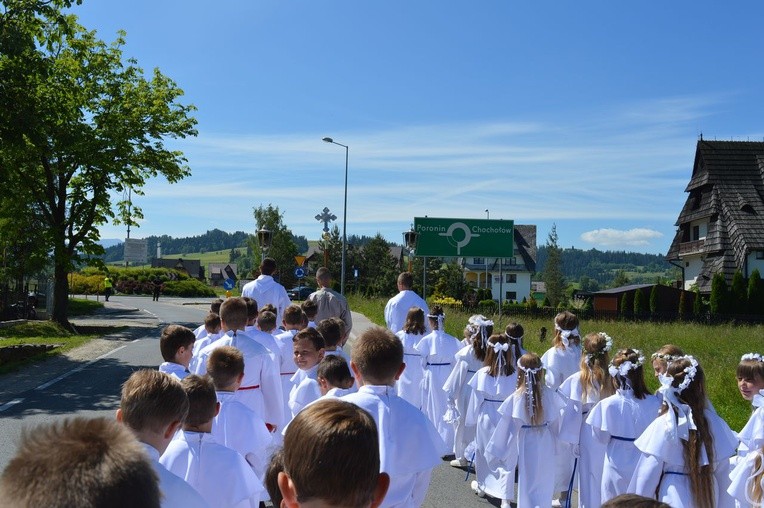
column 215, row 256
column 718, row 348
column 82, row 307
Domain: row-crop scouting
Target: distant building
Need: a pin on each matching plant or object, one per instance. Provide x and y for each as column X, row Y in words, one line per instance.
column 609, row 300
column 721, row 226
column 218, row 272
column 508, row 278
column 192, row 267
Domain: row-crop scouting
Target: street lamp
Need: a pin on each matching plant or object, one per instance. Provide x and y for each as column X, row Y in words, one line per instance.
column 409, row 240
column 264, row 237
column 487, row 214
column 344, row 215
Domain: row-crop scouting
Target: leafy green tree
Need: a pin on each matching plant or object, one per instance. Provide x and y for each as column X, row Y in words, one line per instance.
column 379, row 269
column 331, row 251
column 78, row 124
column 555, row 282
column 620, row 279
column 719, row 299
column 282, row 248
column 738, row 297
column 755, row 293
column 627, row 305
column 641, row 304
column 654, row 300
column 450, row 281
column 433, row 266
column 697, row 303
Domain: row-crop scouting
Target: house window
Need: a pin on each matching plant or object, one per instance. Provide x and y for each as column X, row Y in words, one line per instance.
column 511, row 295
column 511, row 278
column 760, row 254
column 695, row 233
column 478, row 261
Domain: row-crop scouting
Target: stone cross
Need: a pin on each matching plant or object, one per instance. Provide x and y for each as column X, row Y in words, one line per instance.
column 326, row 217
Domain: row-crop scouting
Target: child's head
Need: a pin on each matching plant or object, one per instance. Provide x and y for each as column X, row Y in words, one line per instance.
column 415, row 321
column 627, row 371
column 266, row 321
column 233, row 314
column 310, row 309
column 269, row 307
column 252, row 309
column 663, row 357
column 80, row 462
column 271, row 481
column 498, row 356
column 151, row 402
column 333, row 372
column 436, row 317
column 750, row 375
column 308, row 348
column 530, row 382
column 634, row 501
column 477, row 335
column 226, row 367
column 330, row 331
column 215, row 306
column 377, row 357
column 566, row 330
column 294, row 317
column 343, row 330
column 202, row 400
column 405, row 281
column 515, row 332
column 332, row 431
column 594, row 365
column 212, row 323
column 176, row 344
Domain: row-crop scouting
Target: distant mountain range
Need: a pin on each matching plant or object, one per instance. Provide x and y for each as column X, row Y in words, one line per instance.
column 109, row 242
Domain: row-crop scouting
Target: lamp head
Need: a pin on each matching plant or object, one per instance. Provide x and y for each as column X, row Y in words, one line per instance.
column 328, row 140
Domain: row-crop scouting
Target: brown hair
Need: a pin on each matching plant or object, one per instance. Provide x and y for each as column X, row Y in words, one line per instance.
column 293, row 315
column 335, row 370
column 174, row 337
column 271, row 481
column 665, row 354
column 215, row 305
column 474, row 334
column 534, row 395
column 266, row 321
column 224, row 366
column 635, row 377
column 311, row 334
column 310, row 308
column 594, row 366
column 406, row 280
column 633, row 501
column 565, row 320
column 233, row 313
column 415, row 321
column 515, row 333
column 202, row 399
column 337, row 433
column 252, row 309
column 504, row 358
column 268, row 266
column 378, row 355
column 750, row 369
column 701, row 476
column 330, row 331
column 151, row 400
column 87, row 463
column 212, row 321
column 436, row 311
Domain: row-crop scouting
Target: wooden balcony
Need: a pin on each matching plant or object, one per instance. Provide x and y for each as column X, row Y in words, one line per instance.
column 694, row 247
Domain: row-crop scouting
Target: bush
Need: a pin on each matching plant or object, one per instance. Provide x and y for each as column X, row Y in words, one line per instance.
column 190, row 287
column 487, row 304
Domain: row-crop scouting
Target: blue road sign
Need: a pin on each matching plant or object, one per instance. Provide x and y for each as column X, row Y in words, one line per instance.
column 299, row 272
column 228, row 284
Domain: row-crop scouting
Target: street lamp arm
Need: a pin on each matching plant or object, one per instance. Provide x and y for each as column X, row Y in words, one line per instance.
column 344, row 213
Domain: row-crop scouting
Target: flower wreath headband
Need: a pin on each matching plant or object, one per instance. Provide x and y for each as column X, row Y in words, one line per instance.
column 684, row 422
column 690, row 372
column 625, row 367
column 665, row 357
column 756, row 357
column 600, row 352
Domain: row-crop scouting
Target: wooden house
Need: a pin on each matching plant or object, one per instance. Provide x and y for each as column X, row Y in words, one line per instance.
column 721, row 226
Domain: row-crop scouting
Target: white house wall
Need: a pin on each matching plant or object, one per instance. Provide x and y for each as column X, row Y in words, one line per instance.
column 753, row 263
column 693, row 265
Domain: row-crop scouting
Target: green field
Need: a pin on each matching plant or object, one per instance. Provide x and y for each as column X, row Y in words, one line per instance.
column 215, row 256
column 718, row 348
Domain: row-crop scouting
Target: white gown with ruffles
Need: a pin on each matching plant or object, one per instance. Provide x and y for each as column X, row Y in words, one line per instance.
column 458, row 392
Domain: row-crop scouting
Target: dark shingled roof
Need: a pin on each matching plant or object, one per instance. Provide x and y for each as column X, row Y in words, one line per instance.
column 525, row 242
column 727, row 189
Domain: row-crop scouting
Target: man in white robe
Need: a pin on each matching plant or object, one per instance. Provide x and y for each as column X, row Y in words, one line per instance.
column 265, row 290
column 398, row 306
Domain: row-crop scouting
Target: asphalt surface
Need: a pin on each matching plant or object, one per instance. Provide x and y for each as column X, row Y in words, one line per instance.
column 86, row 381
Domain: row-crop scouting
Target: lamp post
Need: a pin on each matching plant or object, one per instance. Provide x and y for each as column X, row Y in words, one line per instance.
column 409, row 240
column 344, row 215
column 264, row 237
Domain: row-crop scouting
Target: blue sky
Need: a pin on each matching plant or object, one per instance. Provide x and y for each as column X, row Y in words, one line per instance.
column 584, row 114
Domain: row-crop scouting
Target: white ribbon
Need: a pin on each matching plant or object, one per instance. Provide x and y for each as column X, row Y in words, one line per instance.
column 758, row 399
column 684, row 422
column 564, row 334
column 530, row 380
column 498, row 348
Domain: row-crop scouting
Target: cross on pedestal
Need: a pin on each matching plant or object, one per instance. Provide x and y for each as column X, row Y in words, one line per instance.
column 326, row 217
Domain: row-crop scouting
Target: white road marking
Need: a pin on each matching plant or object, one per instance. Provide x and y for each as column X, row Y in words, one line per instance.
column 10, row 404
column 74, row 371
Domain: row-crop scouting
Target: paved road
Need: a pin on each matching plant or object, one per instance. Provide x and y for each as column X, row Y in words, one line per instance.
column 87, row 381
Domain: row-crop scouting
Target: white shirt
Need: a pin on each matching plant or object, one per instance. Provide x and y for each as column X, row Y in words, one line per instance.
column 176, row 370
column 265, row 290
column 398, row 307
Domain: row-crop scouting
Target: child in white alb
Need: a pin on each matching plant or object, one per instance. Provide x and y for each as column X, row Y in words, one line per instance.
column 618, row 420
column 176, row 345
column 409, row 385
column 308, row 351
column 527, row 429
column 333, row 376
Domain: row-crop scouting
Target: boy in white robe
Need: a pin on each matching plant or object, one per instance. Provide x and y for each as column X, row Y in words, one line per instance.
column 153, row 406
column 265, row 290
column 176, row 345
column 211, row 332
column 236, row 426
column 253, row 330
column 222, row 476
column 261, row 387
column 338, row 433
column 333, row 376
column 333, row 332
column 410, row 447
column 310, row 309
column 202, row 330
column 308, row 351
column 294, row 321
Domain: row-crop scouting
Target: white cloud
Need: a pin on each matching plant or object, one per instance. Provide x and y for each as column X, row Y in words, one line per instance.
column 637, row 237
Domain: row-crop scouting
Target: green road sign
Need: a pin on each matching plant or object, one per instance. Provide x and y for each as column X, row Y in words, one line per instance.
column 440, row 237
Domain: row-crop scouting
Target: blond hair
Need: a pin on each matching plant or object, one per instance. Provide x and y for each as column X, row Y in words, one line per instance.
column 378, row 355
column 596, row 382
column 224, row 366
column 151, row 400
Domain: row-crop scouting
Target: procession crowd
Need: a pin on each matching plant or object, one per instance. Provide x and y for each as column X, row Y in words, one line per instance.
column 261, row 402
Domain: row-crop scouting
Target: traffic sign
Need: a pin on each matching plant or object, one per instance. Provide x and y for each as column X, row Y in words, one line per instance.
column 299, row 272
column 300, row 260
column 228, row 284
column 440, row 237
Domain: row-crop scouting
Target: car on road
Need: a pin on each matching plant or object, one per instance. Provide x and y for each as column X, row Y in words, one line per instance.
column 300, row 292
